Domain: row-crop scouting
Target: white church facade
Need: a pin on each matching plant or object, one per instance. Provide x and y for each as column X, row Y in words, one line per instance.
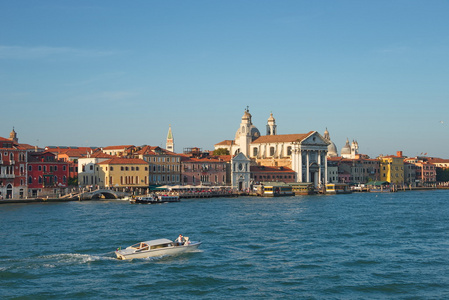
column 304, row 153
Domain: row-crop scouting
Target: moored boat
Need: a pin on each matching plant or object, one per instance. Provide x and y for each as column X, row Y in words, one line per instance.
column 153, row 198
column 157, row 247
column 338, row 188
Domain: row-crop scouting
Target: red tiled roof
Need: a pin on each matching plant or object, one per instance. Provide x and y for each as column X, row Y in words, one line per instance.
column 186, row 158
column 124, row 161
column 25, row 147
column 150, row 150
column 117, row 147
column 99, row 154
column 282, row 138
column 225, row 143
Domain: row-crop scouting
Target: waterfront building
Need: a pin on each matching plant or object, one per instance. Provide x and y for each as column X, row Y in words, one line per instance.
column 241, row 172
column 439, row 162
column 409, row 174
column 332, row 171
column 164, row 166
column 70, row 154
column 89, row 172
column 46, row 175
column 13, row 161
column 392, row 168
column 358, row 170
column 272, row 174
column 203, row 171
column 442, row 170
column 426, row 174
column 124, row 173
column 304, row 153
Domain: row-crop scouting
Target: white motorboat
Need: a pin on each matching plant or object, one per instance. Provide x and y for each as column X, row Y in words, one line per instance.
column 157, row 247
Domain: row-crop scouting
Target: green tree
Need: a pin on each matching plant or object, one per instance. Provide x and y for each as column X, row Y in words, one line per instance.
column 221, row 151
column 442, row 175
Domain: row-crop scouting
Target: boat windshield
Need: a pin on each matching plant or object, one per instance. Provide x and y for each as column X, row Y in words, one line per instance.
column 140, row 246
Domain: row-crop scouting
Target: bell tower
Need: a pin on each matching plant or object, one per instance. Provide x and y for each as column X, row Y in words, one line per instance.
column 245, row 132
column 170, row 144
column 271, row 125
column 13, row 136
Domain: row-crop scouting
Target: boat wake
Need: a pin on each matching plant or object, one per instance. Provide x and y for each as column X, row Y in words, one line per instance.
column 74, row 258
column 53, row 261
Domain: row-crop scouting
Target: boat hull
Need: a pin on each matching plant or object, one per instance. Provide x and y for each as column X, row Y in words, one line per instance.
column 122, row 254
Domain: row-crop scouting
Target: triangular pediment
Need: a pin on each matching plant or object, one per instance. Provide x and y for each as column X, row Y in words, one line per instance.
column 315, row 139
column 240, row 158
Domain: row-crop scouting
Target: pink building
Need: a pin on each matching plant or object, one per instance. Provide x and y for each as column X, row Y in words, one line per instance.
column 13, row 160
column 46, row 174
column 203, row 171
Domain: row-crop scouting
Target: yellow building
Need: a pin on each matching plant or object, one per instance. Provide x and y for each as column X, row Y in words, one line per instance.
column 124, row 173
column 392, row 169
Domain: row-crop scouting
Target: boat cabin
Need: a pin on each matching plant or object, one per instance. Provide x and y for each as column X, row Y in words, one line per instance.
column 274, row 189
column 303, row 188
column 152, row 245
column 338, row 188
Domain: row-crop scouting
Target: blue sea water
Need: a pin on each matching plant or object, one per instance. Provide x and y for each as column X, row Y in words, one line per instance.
column 358, row 246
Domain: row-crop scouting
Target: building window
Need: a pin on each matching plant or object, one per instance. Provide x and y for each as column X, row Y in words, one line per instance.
column 39, row 168
column 255, row 151
column 271, row 151
column 30, row 168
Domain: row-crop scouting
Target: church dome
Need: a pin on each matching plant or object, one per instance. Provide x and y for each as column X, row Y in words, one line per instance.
column 254, row 133
column 332, row 150
column 346, row 148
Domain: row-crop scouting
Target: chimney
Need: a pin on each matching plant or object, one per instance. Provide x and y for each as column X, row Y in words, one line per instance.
column 399, row 153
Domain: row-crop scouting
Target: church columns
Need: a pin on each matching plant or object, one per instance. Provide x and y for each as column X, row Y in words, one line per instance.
column 308, row 165
column 325, row 169
column 319, row 164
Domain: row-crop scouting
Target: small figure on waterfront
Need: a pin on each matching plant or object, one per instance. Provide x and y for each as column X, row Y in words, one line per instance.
column 180, row 240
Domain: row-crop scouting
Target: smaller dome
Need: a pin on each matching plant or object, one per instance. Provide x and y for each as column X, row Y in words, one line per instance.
column 346, row 148
column 332, row 150
column 326, row 135
column 271, row 118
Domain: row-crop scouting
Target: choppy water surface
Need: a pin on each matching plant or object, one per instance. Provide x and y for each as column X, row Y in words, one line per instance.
column 317, row 247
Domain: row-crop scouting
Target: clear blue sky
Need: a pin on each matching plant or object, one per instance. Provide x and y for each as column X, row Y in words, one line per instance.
column 100, row 73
